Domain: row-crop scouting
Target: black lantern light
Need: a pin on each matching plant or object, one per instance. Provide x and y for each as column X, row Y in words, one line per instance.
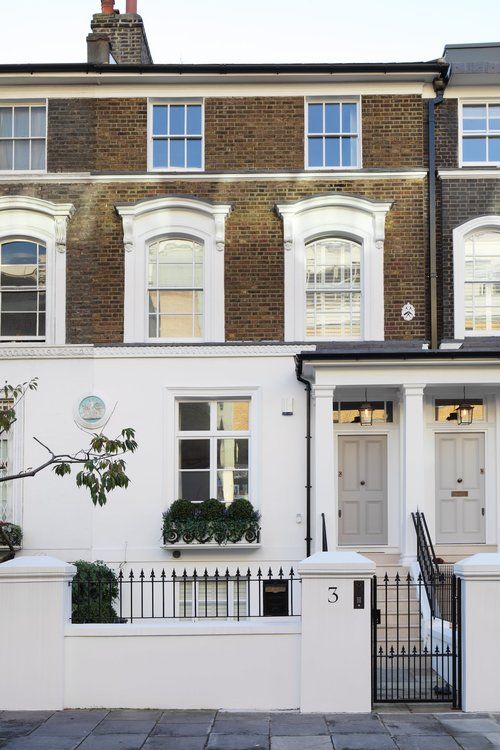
column 465, row 412
column 366, row 412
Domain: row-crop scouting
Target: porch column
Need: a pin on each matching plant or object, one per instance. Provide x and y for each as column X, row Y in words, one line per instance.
column 324, row 469
column 413, row 466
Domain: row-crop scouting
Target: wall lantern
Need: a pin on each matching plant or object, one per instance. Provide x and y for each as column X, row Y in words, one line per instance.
column 366, row 412
column 465, row 412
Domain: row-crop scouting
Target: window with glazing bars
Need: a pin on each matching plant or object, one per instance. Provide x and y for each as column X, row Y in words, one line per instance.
column 22, row 289
column 214, row 598
column 213, row 440
column 481, row 133
column 332, row 134
column 177, row 134
column 482, row 282
column 175, row 289
column 333, row 288
column 23, row 132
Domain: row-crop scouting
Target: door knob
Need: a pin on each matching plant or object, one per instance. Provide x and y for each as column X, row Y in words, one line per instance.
column 362, row 482
column 460, row 481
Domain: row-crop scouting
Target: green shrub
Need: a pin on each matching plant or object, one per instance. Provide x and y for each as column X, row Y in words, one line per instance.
column 12, row 532
column 95, row 587
column 211, row 509
column 181, row 510
column 242, row 510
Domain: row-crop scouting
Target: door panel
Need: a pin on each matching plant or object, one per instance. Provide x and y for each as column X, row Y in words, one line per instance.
column 362, row 490
column 460, row 488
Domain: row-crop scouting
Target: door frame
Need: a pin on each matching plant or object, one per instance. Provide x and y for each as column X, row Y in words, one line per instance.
column 391, row 432
column 469, row 430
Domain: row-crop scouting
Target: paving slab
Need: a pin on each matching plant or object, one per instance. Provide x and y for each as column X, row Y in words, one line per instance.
column 361, row 742
column 125, row 726
column 473, row 741
column 465, row 725
column 231, row 715
column 241, row 726
column 12, row 728
column 113, row 742
column 355, row 723
column 416, row 724
column 40, row 743
column 426, row 742
column 494, row 739
column 175, row 743
column 301, row 743
column 28, row 716
column 181, row 729
column 294, row 725
column 134, row 714
column 237, row 742
column 186, row 717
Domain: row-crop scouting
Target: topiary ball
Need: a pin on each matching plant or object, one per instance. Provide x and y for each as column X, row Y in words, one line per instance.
column 212, row 509
column 241, row 509
column 181, row 510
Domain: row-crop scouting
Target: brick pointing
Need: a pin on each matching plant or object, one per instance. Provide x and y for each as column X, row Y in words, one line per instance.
column 253, row 253
column 126, row 33
column 393, row 131
column 447, row 134
column 254, row 134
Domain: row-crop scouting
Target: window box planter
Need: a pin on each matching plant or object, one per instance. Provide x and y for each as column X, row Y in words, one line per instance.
column 14, row 534
column 211, row 525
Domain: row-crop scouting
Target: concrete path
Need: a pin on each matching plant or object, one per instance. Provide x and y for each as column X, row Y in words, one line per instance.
column 387, row 728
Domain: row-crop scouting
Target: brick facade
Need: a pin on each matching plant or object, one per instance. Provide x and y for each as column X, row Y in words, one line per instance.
column 393, row 131
column 129, row 44
column 447, row 134
column 253, row 255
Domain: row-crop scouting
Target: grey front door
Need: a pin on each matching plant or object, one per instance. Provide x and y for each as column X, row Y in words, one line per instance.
column 460, row 488
column 362, row 490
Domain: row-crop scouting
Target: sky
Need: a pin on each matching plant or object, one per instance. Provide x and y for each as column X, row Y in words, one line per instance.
column 231, row 31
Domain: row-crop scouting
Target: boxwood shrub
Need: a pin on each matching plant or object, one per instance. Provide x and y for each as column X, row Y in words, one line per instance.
column 211, row 521
column 12, row 532
column 95, row 588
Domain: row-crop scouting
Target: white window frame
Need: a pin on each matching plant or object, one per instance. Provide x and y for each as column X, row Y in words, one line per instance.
column 460, row 235
column 160, row 218
column 332, row 100
column 29, row 103
column 35, row 290
column 461, row 104
column 15, row 457
column 334, row 215
column 170, row 479
column 184, row 102
column 44, row 222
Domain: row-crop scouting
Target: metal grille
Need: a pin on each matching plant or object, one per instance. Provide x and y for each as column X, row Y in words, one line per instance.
column 416, row 657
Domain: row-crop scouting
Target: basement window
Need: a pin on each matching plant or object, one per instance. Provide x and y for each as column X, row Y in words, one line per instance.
column 23, row 137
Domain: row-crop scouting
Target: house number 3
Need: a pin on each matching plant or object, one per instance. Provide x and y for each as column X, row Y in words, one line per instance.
column 333, row 597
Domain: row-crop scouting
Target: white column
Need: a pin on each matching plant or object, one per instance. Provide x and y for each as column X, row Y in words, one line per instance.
column 336, row 637
column 480, row 576
column 35, row 596
column 324, row 469
column 413, row 465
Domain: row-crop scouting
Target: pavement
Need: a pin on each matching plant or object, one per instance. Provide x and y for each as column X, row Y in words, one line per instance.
column 394, row 727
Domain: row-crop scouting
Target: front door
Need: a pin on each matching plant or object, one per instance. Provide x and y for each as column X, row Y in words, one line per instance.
column 460, row 488
column 362, row 490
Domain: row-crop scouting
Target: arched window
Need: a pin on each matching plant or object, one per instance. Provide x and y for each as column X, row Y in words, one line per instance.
column 22, row 289
column 175, row 288
column 482, row 282
column 333, row 288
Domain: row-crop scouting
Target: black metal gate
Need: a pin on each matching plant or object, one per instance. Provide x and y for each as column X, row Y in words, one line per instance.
column 416, row 644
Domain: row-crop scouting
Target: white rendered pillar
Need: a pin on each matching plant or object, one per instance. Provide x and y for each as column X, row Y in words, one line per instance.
column 413, row 465
column 336, row 637
column 35, row 605
column 480, row 575
column 324, row 470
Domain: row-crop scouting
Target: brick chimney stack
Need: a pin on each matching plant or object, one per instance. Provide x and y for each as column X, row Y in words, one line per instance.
column 120, row 35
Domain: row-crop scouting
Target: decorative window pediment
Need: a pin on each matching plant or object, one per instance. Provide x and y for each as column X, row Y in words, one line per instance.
column 174, row 270
column 33, row 256
column 346, row 291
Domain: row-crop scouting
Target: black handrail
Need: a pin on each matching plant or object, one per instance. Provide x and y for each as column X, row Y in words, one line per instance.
column 437, row 578
column 324, row 538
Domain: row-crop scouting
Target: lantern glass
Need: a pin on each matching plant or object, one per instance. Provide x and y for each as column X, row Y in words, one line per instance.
column 366, row 414
column 465, row 413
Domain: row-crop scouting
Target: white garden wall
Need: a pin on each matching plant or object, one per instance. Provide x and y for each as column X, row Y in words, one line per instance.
column 227, row 665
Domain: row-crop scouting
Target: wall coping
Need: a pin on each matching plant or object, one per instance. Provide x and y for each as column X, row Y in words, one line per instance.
column 483, row 566
column 36, row 567
column 257, row 626
column 338, row 564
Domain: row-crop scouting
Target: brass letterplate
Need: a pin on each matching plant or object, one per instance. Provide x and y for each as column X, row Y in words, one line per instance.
column 460, row 493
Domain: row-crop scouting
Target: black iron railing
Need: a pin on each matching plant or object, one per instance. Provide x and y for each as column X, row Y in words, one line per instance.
column 324, row 537
column 187, row 596
column 437, row 577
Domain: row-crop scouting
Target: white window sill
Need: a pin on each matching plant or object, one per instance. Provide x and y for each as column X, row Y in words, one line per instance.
column 332, row 169
column 175, row 170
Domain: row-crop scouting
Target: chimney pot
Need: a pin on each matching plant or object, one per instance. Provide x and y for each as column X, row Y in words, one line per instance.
column 131, row 6
column 107, row 6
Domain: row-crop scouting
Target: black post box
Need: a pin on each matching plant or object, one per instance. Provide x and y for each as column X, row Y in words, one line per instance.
column 275, row 598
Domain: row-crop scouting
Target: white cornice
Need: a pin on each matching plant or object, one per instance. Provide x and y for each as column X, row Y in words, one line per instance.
column 148, row 352
column 62, row 178
column 27, row 203
column 469, row 174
